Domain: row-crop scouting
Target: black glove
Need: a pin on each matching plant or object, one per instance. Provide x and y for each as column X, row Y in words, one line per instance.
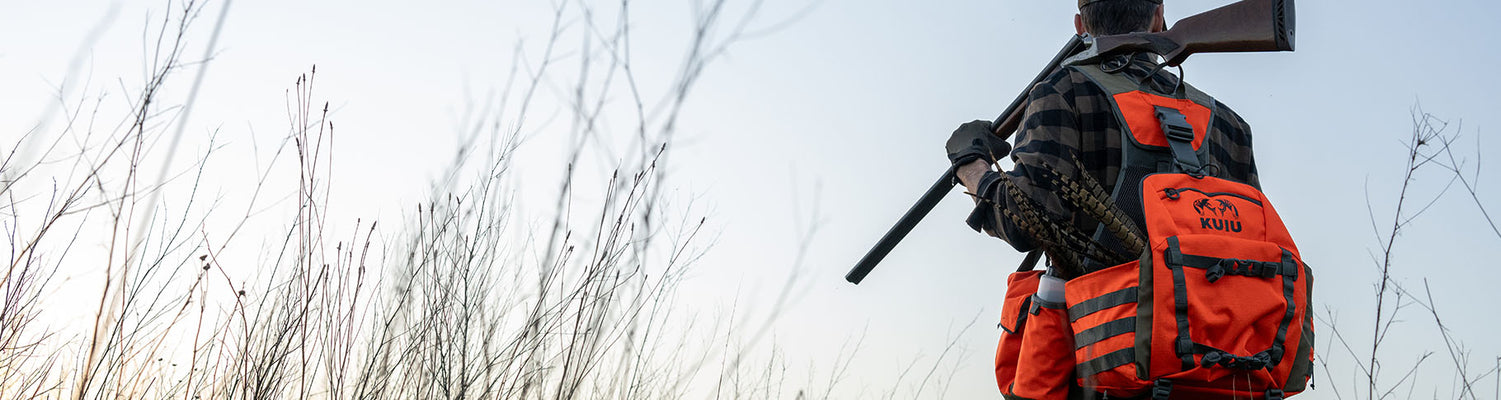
column 976, row 140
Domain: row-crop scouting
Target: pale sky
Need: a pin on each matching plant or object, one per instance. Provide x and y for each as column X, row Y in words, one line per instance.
column 845, row 111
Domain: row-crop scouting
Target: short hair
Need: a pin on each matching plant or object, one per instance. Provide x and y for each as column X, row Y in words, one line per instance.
column 1118, row 17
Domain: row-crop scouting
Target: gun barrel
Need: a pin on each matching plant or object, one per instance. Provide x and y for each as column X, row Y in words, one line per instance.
column 903, row 226
column 1005, row 125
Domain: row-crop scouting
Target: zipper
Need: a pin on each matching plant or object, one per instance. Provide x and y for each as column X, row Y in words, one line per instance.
column 1172, row 193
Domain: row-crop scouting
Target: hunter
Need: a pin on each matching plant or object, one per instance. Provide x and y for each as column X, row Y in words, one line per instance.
column 1071, row 133
column 1075, row 194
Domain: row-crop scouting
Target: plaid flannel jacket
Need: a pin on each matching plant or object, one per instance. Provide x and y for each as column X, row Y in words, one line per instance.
column 1069, row 119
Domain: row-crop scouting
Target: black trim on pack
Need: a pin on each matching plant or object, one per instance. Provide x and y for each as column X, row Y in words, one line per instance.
column 1172, row 193
column 1302, row 370
column 1039, row 303
column 1104, row 331
column 1106, row 362
column 1145, row 313
column 1102, row 302
column 1217, row 268
column 1287, row 260
column 1214, row 357
column 1289, row 286
column 1184, row 343
column 1012, row 388
column 1021, row 317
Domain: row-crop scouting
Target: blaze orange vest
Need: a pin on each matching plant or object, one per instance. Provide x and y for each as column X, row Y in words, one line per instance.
column 1216, row 306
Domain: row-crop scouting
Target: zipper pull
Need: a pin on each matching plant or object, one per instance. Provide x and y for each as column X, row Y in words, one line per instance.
column 1172, row 193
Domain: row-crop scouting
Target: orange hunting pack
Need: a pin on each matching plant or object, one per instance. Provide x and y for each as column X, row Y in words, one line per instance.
column 1217, row 306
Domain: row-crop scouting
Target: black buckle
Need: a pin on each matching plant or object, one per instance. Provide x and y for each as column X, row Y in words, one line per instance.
column 1251, row 268
column 1212, row 358
column 1162, row 388
column 1180, row 136
column 1270, row 269
column 1262, row 360
column 1275, row 353
column 1175, row 125
column 1290, row 266
column 1184, row 346
column 1214, row 273
column 1274, row 394
column 1259, row 361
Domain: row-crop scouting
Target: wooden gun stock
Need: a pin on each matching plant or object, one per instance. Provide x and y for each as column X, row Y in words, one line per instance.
column 1243, row 26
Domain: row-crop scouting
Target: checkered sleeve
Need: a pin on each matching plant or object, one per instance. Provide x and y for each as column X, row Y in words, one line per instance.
column 1047, row 143
column 1233, row 149
column 1070, row 133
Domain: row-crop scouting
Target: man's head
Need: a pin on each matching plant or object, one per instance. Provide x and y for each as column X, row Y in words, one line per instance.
column 1115, row 17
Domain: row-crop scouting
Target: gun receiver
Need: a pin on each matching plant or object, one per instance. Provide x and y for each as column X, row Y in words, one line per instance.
column 1243, row 26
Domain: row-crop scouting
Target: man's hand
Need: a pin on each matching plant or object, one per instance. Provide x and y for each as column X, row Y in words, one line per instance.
column 976, row 140
column 970, row 174
column 973, row 148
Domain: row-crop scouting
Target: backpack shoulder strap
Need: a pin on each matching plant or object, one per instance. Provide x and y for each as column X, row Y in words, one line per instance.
column 1162, row 130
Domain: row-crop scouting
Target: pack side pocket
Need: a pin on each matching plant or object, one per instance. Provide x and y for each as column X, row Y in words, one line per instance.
column 1102, row 313
column 1020, row 287
column 1047, row 341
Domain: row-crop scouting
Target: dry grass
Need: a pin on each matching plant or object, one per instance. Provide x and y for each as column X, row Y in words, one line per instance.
column 1431, row 150
column 463, row 299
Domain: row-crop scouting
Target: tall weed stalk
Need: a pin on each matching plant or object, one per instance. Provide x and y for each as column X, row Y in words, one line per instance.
column 464, row 298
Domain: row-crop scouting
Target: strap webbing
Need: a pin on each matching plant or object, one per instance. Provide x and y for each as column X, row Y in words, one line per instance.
column 1301, row 376
column 1106, row 362
column 1030, row 261
column 1183, row 345
column 1101, row 303
column 1104, row 331
column 1180, row 136
column 1219, row 267
column 1288, row 288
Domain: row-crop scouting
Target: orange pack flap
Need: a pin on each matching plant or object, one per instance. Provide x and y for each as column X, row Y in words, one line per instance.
column 1137, row 109
column 1180, row 204
column 1020, row 287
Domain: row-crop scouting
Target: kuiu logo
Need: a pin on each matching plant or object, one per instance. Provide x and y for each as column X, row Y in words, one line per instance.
column 1220, row 208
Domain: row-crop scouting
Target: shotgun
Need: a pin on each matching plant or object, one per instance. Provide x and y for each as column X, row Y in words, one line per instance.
column 1242, row 26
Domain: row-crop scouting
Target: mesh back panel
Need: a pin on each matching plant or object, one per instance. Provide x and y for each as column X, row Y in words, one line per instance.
column 1128, row 199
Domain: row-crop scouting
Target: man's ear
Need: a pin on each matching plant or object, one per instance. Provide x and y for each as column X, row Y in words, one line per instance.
column 1159, row 23
column 1079, row 22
